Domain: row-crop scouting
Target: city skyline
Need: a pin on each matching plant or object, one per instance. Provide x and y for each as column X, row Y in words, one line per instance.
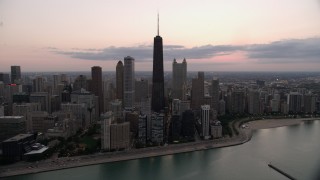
column 213, row 36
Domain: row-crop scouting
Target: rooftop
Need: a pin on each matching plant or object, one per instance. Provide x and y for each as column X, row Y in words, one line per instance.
column 18, row 137
column 11, row 117
column 39, row 151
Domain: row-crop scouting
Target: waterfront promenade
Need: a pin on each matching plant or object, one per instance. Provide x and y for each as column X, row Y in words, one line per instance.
column 70, row 162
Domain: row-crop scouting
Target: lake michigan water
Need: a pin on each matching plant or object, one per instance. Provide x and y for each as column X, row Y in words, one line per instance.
column 293, row 149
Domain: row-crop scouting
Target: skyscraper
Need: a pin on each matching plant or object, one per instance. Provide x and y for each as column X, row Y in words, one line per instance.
column 105, row 130
column 205, row 111
column 188, row 125
column 38, row 84
column 129, row 80
column 119, row 80
column 4, row 77
column 141, row 90
column 96, row 85
column 157, row 101
column 309, row 103
column 253, row 102
column 238, row 101
column 197, row 91
column 15, row 74
column 80, row 82
column 295, row 102
column 215, row 94
column 43, row 98
column 179, row 78
column 157, row 128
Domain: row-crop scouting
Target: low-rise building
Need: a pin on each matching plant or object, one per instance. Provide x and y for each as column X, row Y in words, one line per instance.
column 15, row 147
column 216, row 129
column 64, row 129
column 11, row 126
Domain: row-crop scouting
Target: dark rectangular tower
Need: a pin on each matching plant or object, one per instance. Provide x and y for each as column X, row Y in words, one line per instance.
column 96, row 85
column 157, row 100
column 119, row 80
column 15, row 74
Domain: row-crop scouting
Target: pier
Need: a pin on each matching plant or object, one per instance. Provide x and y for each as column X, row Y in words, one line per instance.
column 281, row 172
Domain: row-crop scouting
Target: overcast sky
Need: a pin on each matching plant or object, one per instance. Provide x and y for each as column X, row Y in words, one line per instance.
column 213, row 35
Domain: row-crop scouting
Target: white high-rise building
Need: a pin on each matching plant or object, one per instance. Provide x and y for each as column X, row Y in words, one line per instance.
column 116, row 108
column 107, row 119
column 129, row 80
column 205, row 111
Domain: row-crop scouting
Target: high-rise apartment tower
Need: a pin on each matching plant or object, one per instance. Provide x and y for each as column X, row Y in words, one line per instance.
column 119, row 80
column 129, row 80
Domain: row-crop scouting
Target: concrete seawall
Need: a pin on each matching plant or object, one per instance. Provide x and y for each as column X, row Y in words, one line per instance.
column 244, row 136
column 73, row 162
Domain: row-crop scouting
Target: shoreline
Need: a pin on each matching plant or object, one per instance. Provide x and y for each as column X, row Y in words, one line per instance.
column 245, row 135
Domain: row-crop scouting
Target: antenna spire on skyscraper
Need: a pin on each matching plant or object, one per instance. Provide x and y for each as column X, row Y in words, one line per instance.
column 158, row 23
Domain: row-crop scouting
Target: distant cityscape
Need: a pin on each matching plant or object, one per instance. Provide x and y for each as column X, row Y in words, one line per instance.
column 52, row 115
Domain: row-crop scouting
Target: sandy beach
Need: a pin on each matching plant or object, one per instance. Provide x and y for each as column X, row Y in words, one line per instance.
column 245, row 135
column 273, row 123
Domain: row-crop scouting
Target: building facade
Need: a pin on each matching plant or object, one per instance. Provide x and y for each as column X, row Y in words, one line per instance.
column 215, row 94
column 129, row 83
column 119, row 80
column 179, row 79
column 157, row 128
column 205, row 112
column 295, row 102
column 120, row 135
column 106, row 121
column 15, row 74
column 197, row 91
column 253, row 102
column 157, row 99
column 11, row 126
column 96, row 86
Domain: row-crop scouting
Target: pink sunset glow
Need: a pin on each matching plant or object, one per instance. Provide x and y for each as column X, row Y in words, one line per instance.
column 244, row 35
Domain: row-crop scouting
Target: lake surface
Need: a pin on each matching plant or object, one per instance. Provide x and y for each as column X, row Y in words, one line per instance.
column 293, row 149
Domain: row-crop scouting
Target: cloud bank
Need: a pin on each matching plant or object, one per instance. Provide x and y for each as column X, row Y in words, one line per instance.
column 292, row 50
column 283, row 51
